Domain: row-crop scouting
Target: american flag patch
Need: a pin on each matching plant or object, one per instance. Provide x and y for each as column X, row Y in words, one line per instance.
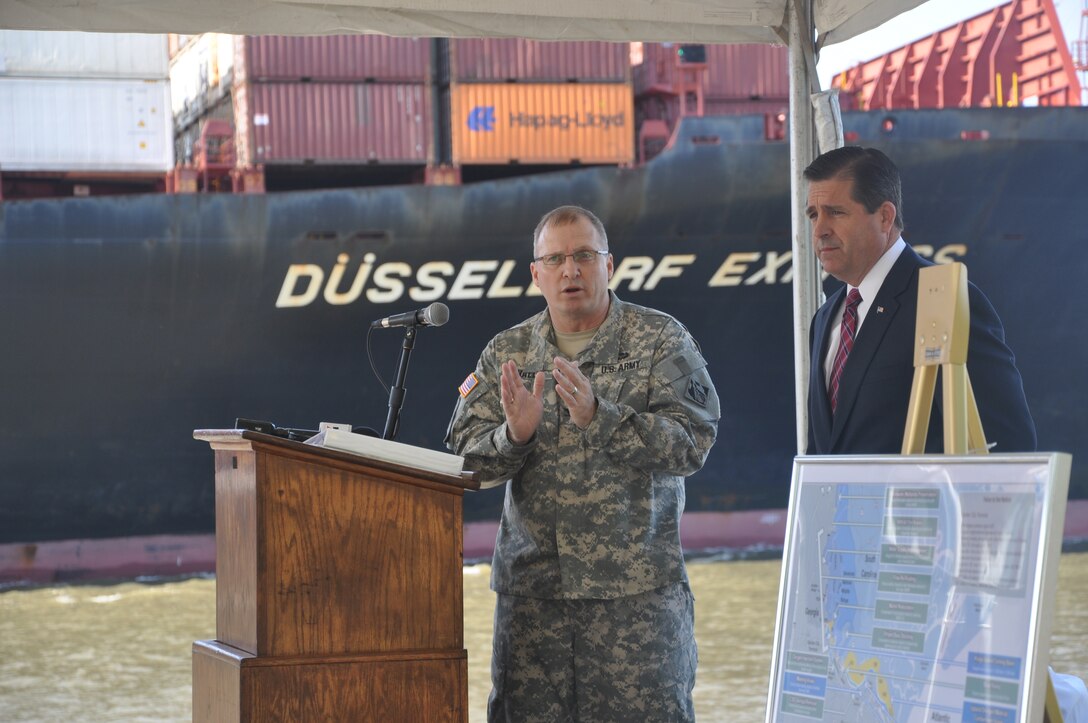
column 468, row 385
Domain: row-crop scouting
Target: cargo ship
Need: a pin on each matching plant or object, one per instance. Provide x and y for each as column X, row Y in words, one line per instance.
column 131, row 320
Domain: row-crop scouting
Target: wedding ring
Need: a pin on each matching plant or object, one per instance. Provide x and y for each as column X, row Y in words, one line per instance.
column 574, row 390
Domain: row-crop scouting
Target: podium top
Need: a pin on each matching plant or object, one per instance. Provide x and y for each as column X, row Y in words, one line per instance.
column 242, row 439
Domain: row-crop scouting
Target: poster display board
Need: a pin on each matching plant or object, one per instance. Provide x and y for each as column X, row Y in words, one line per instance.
column 918, row 588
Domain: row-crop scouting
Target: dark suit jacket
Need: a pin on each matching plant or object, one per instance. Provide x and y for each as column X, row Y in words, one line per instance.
column 874, row 391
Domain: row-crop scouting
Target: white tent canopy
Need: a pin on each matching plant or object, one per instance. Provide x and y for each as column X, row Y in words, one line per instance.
column 818, row 22
column 699, row 21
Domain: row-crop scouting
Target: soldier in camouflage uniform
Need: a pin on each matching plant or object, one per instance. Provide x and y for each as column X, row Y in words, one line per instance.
column 594, row 618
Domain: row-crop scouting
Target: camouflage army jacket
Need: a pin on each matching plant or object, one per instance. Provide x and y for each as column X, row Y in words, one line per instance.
column 592, row 513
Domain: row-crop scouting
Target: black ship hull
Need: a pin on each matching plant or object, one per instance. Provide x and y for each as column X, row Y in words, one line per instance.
column 128, row 322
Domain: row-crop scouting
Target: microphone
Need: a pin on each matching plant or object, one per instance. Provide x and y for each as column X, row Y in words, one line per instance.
column 436, row 314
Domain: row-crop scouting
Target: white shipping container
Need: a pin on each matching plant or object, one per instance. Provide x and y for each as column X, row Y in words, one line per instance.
column 33, row 53
column 85, row 125
column 201, row 71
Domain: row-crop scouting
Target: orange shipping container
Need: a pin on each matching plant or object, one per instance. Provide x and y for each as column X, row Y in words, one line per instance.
column 542, row 123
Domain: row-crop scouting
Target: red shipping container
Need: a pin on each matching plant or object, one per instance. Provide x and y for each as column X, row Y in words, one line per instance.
column 332, row 58
column 1014, row 54
column 288, row 123
column 732, row 71
column 497, row 60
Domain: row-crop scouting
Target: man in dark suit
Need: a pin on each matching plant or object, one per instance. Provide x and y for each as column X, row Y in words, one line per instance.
column 859, row 405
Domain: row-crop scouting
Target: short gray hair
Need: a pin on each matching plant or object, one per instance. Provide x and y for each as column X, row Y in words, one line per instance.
column 566, row 215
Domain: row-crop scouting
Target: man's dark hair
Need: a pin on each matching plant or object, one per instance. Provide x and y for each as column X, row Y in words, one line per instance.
column 875, row 178
column 566, row 215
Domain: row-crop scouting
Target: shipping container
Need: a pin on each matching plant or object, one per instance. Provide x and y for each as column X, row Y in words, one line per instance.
column 32, row 53
column 731, row 71
column 329, row 123
column 542, row 123
column 332, row 58
column 201, row 73
column 497, row 60
column 1014, row 54
column 85, row 125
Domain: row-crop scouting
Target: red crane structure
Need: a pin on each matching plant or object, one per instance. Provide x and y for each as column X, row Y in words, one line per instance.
column 1012, row 55
column 1080, row 51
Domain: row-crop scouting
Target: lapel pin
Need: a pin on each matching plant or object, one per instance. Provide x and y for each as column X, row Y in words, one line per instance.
column 880, row 309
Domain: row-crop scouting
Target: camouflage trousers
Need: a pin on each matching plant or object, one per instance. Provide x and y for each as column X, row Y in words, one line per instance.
column 628, row 660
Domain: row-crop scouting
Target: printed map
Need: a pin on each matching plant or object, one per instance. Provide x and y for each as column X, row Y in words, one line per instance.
column 908, row 603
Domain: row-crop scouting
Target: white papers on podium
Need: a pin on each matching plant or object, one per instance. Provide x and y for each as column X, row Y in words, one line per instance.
column 389, row 451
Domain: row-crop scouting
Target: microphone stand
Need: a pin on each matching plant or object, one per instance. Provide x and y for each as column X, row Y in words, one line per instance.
column 396, row 392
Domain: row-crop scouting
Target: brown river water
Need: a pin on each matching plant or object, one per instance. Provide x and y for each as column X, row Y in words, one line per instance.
column 123, row 652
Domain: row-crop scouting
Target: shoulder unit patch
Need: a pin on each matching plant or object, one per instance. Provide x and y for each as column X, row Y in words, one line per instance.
column 697, row 392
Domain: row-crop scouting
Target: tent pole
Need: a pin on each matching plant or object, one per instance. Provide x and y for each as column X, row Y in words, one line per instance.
column 807, row 289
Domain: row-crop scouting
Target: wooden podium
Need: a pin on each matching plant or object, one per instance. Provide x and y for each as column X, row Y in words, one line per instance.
column 338, row 588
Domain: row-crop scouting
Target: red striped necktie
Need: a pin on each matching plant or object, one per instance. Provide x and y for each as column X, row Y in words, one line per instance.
column 847, row 331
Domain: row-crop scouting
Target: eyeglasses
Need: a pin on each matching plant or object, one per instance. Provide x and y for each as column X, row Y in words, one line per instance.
column 580, row 257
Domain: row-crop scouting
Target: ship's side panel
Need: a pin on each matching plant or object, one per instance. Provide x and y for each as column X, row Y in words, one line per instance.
column 668, row 108
column 557, row 123
column 720, row 106
column 53, row 124
column 133, row 321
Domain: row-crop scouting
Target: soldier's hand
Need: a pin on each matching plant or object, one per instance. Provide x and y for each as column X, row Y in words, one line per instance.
column 576, row 391
column 523, row 409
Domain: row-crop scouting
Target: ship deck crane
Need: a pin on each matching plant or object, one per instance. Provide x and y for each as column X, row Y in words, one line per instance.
column 1080, row 53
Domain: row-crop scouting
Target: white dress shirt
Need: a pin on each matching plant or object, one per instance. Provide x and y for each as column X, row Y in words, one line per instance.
column 868, row 289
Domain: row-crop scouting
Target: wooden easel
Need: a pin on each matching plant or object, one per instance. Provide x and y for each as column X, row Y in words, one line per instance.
column 942, row 331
